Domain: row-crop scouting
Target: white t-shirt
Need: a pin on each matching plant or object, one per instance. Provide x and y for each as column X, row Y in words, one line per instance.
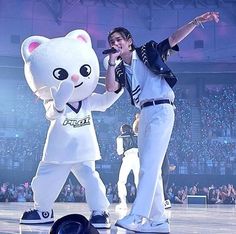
column 145, row 84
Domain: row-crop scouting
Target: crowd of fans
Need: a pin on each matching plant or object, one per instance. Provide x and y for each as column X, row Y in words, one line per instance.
column 218, row 112
column 224, row 194
column 74, row 192
column 214, row 152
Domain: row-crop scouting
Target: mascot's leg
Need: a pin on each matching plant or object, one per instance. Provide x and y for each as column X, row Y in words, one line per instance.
column 46, row 186
column 95, row 193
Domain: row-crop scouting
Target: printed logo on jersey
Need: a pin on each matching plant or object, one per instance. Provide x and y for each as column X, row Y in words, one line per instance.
column 76, row 123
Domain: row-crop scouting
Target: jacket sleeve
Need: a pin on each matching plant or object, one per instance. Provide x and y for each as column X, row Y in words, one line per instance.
column 164, row 48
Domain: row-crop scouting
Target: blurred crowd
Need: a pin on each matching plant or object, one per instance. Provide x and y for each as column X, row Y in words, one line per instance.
column 224, row 194
column 74, row 192
column 212, row 152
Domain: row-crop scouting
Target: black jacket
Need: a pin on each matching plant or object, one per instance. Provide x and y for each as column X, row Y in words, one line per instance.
column 129, row 141
column 153, row 55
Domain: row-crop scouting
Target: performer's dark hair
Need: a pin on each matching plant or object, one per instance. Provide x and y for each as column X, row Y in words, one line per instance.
column 125, row 128
column 123, row 32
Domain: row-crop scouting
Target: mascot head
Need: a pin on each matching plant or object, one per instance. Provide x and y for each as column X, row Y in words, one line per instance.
column 50, row 61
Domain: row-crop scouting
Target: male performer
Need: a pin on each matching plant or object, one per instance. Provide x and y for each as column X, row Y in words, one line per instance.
column 149, row 81
column 127, row 147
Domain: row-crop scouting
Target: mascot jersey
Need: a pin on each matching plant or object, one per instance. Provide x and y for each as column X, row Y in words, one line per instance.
column 64, row 73
column 71, row 137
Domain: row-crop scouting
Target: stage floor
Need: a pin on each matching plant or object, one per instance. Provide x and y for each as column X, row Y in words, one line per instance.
column 184, row 219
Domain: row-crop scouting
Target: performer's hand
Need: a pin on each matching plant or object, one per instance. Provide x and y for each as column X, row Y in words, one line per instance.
column 63, row 94
column 208, row 16
column 114, row 56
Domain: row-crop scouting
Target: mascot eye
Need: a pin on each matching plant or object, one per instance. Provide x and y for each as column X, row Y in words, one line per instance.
column 60, row 73
column 85, row 70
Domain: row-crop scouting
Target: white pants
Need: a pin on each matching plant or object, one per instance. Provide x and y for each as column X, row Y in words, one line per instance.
column 130, row 162
column 50, row 179
column 155, row 128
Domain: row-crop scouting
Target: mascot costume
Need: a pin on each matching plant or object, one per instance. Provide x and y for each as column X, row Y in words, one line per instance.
column 64, row 73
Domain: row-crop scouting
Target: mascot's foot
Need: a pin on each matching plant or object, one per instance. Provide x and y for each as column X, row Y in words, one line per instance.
column 100, row 220
column 37, row 217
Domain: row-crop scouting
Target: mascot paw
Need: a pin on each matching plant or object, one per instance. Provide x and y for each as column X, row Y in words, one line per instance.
column 62, row 95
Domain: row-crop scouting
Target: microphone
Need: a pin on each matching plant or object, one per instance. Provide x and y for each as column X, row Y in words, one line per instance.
column 110, row 51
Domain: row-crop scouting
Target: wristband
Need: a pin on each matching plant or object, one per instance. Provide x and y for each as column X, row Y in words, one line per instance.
column 197, row 22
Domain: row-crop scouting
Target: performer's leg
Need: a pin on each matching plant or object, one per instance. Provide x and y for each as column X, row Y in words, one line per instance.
column 155, row 129
column 165, row 175
column 123, row 175
column 136, row 169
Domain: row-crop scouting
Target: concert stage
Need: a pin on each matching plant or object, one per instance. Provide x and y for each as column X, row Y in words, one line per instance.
column 184, row 219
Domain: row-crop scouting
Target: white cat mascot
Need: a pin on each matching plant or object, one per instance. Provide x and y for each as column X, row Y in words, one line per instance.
column 64, row 72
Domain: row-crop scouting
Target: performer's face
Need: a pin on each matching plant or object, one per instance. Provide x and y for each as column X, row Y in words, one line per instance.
column 119, row 41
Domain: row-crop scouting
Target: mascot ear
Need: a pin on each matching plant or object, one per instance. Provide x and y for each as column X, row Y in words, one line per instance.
column 81, row 36
column 30, row 44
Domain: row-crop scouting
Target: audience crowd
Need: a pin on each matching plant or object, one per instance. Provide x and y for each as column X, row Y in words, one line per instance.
column 74, row 192
column 212, row 151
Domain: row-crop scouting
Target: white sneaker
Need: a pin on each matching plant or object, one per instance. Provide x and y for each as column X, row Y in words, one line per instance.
column 130, row 222
column 167, row 204
column 155, row 227
column 121, row 206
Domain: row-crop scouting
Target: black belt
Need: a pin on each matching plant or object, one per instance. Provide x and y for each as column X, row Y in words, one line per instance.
column 156, row 102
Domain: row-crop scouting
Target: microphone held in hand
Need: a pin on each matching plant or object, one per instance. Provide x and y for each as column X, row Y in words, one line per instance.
column 110, row 51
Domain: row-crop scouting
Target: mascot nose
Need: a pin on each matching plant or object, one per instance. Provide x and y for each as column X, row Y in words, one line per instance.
column 75, row 78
